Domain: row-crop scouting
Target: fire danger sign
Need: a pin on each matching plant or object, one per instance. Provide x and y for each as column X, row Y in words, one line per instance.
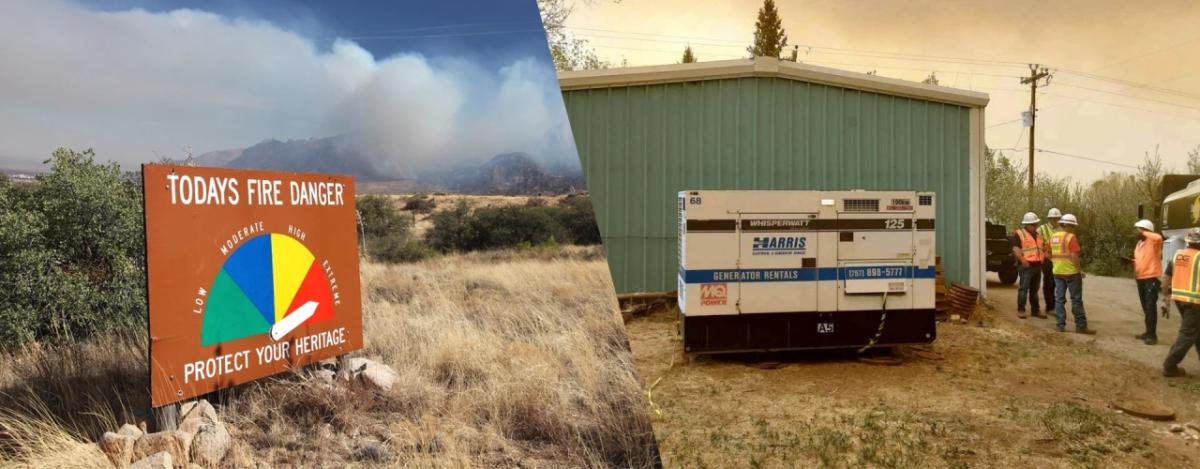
column 249, row 273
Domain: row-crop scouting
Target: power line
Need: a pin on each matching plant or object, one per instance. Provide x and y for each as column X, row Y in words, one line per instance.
column 741, row 43
column 1086, row 158
column 1169, row 103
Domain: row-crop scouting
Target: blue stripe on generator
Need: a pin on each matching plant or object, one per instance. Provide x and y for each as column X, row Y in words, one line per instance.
column 805, row 274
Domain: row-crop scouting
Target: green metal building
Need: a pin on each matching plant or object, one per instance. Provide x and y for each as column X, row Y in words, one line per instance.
column 646, row 133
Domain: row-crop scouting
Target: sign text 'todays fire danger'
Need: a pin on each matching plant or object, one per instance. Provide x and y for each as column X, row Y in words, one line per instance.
column 215, row 190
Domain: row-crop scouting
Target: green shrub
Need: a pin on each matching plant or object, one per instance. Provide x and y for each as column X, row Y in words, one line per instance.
column 380, row 219
column 72, row 252
column 534, row 224
column 420, row 203
column 508, row 226
column 452, row 229
column 387, row 233
column 579, row 219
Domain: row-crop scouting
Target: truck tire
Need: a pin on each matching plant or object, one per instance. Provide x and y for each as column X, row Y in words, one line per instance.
column 1008, row 277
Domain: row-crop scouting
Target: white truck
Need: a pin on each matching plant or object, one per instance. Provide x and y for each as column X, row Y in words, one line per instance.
column 784, row 270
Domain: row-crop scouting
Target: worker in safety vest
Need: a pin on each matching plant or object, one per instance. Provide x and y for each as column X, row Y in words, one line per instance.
column 1147, row 268
column 1047, row 230
column 1029, row 247
column 1182, row 284
column 1068, row 275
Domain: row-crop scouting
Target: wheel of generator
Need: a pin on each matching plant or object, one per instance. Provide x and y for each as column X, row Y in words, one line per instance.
column 1008, row 277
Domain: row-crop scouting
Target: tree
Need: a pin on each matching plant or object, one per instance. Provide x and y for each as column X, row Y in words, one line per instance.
column 1149, row 182
column 72, row 252
column 567, row 51
column 1193, row 161
column 688, row 56
column 931, row 79
column 769, row 36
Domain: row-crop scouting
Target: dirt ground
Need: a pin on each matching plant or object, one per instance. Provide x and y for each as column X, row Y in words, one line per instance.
column 1013, row 394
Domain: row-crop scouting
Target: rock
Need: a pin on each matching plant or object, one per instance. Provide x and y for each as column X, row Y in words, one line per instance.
column 200, row 408
column 1193, row 426
column 131, row 430
column 372, row 373
column 379, row 376
column 174, row 442
column 1176, row 428
column 210, row 445
column 198, row 414
column 118, row 447
column 160, row 460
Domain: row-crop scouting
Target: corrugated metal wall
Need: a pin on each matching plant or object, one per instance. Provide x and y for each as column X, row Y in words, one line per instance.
column 641, row 145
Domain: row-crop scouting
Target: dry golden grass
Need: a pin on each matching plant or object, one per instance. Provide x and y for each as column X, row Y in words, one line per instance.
column 505, row 359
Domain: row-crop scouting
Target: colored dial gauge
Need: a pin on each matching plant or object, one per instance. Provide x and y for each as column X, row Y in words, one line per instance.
column 271, row 284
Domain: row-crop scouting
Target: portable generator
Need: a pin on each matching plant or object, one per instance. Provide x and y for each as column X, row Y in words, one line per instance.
column 787, row 270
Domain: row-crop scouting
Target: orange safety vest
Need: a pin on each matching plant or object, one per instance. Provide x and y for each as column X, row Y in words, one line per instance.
column 1147, row 257
column 1183, row 280
column 1033, row 246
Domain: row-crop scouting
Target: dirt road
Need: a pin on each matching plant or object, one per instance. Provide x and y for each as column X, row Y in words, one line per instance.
column 1016, row 394
column 1113, row 311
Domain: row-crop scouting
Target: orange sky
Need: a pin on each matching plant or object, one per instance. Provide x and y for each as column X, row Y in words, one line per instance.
column 1127, row 74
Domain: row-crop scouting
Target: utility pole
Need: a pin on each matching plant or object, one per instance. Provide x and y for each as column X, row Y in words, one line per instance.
column 1035, row 74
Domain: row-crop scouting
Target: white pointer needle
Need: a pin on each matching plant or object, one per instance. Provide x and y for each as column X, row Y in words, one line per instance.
column 293, row 320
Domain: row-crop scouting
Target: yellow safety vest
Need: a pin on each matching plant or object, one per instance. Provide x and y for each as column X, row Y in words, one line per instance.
column 1060, row 253
column 1047, row 230
column 1185, row 275
column 1033, row 246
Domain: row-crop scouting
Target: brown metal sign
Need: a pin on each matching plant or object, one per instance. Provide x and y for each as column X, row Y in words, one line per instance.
column 249, row 273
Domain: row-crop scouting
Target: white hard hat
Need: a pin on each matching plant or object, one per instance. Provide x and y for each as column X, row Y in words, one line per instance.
column 1054, row 213
column 1030, row 219
column 1145, row 225
column 1068, row 219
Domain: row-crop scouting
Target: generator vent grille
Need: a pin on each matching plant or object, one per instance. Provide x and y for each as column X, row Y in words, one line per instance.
column 926, row 200
column 681, row 215
column 860, row 205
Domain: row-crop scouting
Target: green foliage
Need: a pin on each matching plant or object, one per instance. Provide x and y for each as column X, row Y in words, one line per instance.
column 579, row 219
column 452, row 229
column 380, row 218
column 420, row 203
column 72, row 252
column 769, row 35
column 1106, row 208
column 387, row 232
column 688, row 56
column 535, row 224
column 566, row 51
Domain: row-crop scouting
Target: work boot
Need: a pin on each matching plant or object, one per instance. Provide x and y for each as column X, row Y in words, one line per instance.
column 1173, row 371
column 1141, row 336
column 1038, row 314
column 1021, row 313
column 1085, row 331
column 1150, row 341
column 1060, row 329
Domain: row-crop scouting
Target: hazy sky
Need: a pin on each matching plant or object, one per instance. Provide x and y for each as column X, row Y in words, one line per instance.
column 1126, row 74
column 413, row 83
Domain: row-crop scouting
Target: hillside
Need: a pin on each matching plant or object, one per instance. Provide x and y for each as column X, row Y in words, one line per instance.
column 504, row 174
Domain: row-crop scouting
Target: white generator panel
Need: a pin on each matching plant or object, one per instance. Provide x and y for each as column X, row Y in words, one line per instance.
column 775, row 270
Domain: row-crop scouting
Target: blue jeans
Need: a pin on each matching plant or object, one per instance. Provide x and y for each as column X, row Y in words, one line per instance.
column 1148, row 289
column 1073, row 284
column 1028, row 288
